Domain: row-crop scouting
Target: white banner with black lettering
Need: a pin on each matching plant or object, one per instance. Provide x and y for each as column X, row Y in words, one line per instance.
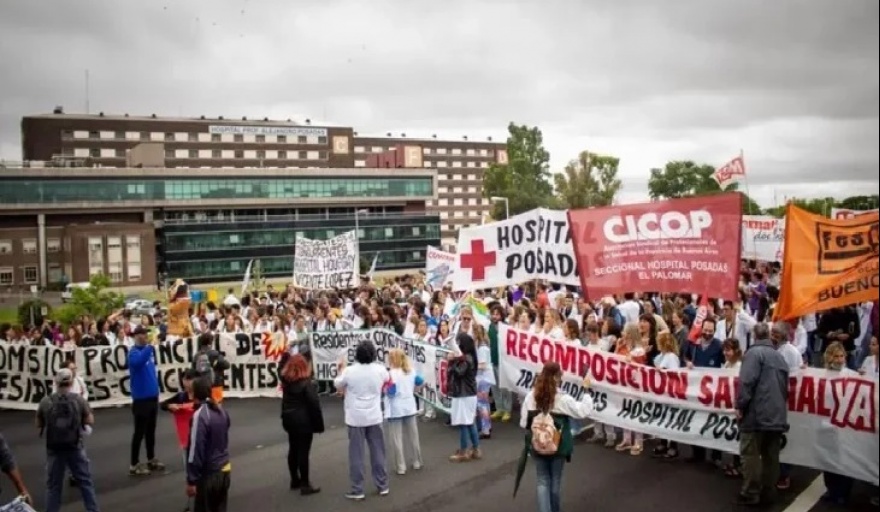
column 833, row 419
column 762, row 237
column 531, row 245
column 27, row 372
column 327, row 264
column 429, row 361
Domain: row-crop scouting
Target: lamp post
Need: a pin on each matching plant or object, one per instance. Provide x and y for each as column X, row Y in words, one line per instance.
column 497, row 199
column 357, row 226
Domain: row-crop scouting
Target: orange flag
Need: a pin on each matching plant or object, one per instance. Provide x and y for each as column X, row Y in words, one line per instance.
column 827, row 263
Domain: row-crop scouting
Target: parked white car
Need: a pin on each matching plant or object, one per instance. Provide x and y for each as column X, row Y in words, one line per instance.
column 67, row 294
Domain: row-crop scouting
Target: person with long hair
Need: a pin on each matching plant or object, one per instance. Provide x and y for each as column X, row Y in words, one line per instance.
column 401, row 410
column 547, row 397
column 462, row 386
column 207, row 465
column 301, row 418
column 667, row 359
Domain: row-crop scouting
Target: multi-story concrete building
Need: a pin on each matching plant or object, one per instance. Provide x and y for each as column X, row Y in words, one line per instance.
column 246, row 144
column 135, row 224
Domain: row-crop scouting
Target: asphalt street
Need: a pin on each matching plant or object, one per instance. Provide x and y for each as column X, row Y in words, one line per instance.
column 597, row 479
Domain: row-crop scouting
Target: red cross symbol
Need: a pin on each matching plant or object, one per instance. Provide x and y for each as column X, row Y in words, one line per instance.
column 478, row 260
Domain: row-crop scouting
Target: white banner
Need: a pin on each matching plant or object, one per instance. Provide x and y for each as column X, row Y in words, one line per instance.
column 327, row 264
column 439, row 267
column 429, row 361
column 531, row 245
column 27, row 372
column 762, row 237
column 846, row 213
column 833, row 419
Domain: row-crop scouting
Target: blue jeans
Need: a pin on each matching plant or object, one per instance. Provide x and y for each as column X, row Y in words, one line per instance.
column 468, row 433
column 549, row 477
column 78, row 463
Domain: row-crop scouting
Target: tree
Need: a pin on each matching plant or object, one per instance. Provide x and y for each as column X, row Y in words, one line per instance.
column 96, row 300
column 687, row 179
column 30, row 312
column 523, row 180
column 591, row 180
column 860, row 202
column 823, row 205
column 258, row 280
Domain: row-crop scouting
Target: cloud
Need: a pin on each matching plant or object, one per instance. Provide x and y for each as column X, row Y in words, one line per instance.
column 793, row 83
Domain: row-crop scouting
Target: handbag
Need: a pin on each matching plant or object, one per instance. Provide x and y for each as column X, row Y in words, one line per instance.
column 17, row 505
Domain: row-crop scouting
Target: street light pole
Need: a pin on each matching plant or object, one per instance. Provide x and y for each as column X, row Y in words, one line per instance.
column 497, row 199
column 357, row 226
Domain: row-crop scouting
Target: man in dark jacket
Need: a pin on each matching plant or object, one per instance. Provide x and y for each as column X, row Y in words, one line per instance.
column 762, row 413
column 842, row 325
column 210, row 364
column 8, row 466
column 207, row 465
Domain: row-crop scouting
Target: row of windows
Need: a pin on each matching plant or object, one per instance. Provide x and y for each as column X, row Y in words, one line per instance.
column 194, row 137
column 225, row 154
column 83, row 190
column 287, row 237
column 283, row 265
column 432, row 151
column 114, row 264
column 29, row 246
column 28, row 275
column 440, row 164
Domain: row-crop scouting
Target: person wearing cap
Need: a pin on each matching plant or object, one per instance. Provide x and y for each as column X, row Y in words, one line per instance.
column 63, row 418
column 144, row 384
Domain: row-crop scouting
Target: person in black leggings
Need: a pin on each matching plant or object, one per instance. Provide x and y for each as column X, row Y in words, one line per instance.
column 144, row 384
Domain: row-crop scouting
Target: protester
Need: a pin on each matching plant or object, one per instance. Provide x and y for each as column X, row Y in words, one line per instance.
column 10, row 469
column 401, row 409
column 144, row 383
column 503, row 398
column 208, row 467
column 485, row 382
column 762, row 414
column 732, row 361
column 707, row 352
column 667, row 359
column 78, row 388
column 302, row 418
column 837, row 487
column 363, row 385
column 182, row 406
column 63, row 418
column 780, row 334
column 462, row 386
column 547, row 398
column 210, row 364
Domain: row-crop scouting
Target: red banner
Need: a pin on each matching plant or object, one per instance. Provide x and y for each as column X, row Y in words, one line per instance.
column 680, row 245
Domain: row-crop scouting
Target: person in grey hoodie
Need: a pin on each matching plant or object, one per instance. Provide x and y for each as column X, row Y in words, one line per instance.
column 762, row 413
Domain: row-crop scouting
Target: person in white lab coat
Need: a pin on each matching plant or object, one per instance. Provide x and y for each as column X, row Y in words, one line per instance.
column 735, row 323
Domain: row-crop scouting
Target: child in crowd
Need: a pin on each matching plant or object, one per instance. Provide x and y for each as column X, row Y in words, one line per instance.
column 667, row 359
column 401, row 410
column 632, row 346
column 182, row 407
column 485, row 381
column 732, row 361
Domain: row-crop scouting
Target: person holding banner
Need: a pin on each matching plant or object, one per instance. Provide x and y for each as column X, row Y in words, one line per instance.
column 837, row 487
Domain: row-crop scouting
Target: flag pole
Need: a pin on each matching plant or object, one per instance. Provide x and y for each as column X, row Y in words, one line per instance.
column 748, row 194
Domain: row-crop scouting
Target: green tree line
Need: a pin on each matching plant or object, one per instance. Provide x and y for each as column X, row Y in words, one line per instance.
column 591, row 179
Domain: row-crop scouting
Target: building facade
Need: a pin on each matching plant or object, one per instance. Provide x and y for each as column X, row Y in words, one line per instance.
column 137, row 224
column 222, row 143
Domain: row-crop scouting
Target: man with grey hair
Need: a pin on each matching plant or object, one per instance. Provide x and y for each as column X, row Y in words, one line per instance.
column 780, row 336
column 762, row 413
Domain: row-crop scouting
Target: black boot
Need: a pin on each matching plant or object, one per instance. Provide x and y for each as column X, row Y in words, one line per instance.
column 309, row 489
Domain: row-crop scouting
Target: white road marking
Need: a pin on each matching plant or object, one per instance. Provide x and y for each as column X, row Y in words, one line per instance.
column 808, row 499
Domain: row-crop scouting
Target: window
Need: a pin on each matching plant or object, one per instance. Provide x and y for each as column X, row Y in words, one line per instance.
column 5, row 246
column 216, row 153
column 302, row 155
column 66, row 134
column 169, row 137
column 301, row 139
column 30, row 274
column 133, row 248
column 193, row 137
column 282, row 139
column 322, row 155
column 29, row 246
column 145, row 136
column 95, row 153
column 239, row 153
column 94, row 135
column 282, row 155
column 322, row 139
column 55, row 273
column 193, row 153
column 120, row 153
column 114, row 249
column 215, row 137
column 114, row 272
column 7, row 276
column 53, row 245
column 261, row 139
column 119, row 135
column 238, row 137
column 96, row 255
column 261, row 154
column 134, row 271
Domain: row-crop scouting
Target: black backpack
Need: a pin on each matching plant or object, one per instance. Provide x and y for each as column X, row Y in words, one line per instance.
column 63, row 426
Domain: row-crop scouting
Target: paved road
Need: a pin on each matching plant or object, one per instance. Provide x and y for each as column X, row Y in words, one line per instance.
column 596, row 480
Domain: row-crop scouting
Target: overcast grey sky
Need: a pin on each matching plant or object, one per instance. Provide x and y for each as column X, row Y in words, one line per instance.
column 794, row 83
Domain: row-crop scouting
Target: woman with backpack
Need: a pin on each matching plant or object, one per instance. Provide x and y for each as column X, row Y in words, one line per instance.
column 546, row 415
